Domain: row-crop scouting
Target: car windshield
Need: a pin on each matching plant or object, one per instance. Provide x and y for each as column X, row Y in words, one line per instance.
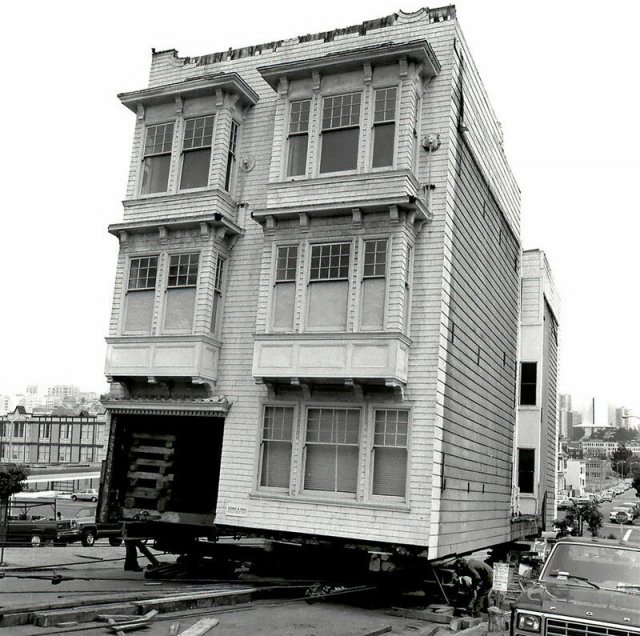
column 610, row 567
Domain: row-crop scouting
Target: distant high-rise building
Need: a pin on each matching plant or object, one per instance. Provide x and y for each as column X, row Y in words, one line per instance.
column 565, row 402
column 63, row 391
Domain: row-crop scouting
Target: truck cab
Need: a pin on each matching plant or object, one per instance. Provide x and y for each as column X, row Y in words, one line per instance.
column 587, row 586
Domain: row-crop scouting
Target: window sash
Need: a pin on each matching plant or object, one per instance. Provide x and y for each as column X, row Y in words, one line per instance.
column 231, row 157
column 198, row 132
column 158, row 139
column 183, row 270
column 299, row 116
column 143, row 272
column 385, row 105
column 341, row 111
column 195, row 168
column 375, row 258
column 277, row 446
column 287, row 263
column 340, row 149
column 330, row 261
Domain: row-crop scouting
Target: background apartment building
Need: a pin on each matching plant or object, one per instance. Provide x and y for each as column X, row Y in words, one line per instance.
column 536, row 461
column 52, row 439
column 315, row 313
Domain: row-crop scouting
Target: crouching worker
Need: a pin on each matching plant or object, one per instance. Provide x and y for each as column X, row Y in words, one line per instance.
column 475, row 579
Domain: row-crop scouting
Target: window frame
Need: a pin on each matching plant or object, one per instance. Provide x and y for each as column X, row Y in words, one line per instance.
column 532, row 472
column 374, row 124
column 297, row 134
column 322, row 130
column 231, row 167
column 184, row 152
column 217, row 306
column 294, row 440
column 275, row 281
column 522, row 384
column 362, row 276
column 387, row 406
column 144, row 155
column 309, row 281
column 361, row 450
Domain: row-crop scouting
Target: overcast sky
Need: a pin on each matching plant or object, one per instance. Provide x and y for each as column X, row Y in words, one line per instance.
column 562, row 77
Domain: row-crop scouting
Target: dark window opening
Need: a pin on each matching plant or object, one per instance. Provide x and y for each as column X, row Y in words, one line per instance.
column 526, row 469
column 528, row 383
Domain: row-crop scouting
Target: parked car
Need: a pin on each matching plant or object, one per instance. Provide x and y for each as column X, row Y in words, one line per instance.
column 88, row 494
column 631, row 507
column 564, row 504
column 620, row 510
column 605, row 496
column 87, row 530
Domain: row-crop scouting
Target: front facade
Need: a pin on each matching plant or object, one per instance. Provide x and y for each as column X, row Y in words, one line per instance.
column 315, row 313
column 36, row 440
column 537, row 434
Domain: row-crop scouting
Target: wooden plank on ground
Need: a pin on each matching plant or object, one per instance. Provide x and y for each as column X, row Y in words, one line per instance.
column 201, row 627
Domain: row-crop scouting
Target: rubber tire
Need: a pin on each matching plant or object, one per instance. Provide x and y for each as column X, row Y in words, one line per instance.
column 74, row 498
column 115, row 541
column 88, row 539
column 36, row 540
column 94, row 499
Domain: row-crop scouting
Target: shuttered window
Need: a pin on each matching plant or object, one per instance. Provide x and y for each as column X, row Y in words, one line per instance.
column 390, row 452
column 332, row 450
column 277, row 433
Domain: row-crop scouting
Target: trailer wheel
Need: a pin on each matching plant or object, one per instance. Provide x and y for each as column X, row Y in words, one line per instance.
column 88, row 538
column 115, row 541
column 36, row 540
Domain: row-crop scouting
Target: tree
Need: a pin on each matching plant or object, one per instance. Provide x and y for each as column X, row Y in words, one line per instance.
column 636, row 484
column 12, row 477
column 582, row 513
column 620, row 460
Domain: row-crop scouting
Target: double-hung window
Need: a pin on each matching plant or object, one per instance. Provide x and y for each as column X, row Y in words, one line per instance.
column 277, row 434
column 284, row 293
column 19, row 430
column 44, row 431
column 384, row 127
column 390, row 452
column 340, row 132
column 141, row 290
column 157, row 158
column 374, row 283
column 329, row 286
column 298, row 138
column 332, row 450
column 181, row 291
column 196, row 152
column 44, row 453
column 230, row 175
column 64, row 454
column 216, row 310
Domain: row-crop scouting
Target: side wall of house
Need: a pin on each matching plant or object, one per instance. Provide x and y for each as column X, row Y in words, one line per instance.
column 479, row 332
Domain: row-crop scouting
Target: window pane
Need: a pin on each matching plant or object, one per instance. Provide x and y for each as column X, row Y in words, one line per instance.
column 179, row 309
column 526, row 469
column 198, row 132
column 297, row 165
column 159, row 139
column 373, row 296
column 339, row 150
column 195, row 169
column 183, row 270
column 341, row 110
column 330, row 261
column 528, row 383
column 299, row 117
column 276, row 465
column 383, row 142
column 155, row 176
column 139, row 311
column 328, row 304
column 389, row 471
column 284, row 302
column 385, row 106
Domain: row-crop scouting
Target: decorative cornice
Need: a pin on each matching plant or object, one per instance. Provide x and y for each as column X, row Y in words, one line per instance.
column 418, row 51
column 211, row 84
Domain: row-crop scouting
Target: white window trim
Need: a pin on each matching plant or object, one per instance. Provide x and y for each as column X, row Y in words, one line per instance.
column 295, row 441
column 162, row 289
column 307, row 283
column 387, row 406
column 271, row 305
column 181, row 125
column 141, row 158
column 302, row 454
column 360, row 278
column 372, row 124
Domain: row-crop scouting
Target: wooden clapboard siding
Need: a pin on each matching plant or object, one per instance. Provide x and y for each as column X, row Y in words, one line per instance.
column 480, row 327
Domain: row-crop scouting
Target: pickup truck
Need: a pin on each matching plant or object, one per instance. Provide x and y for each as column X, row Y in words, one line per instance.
column 87, row 530
column 36, row 530
column 586, row 587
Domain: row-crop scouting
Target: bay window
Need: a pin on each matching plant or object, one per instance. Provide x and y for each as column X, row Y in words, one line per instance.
column 332, row 450
column 390, row 452
column 340, row 132
column 196, row 152
column 298, row 138
column 156, row 158
column 384, row 127
column 231, row 158
column 284, row 292
column 141, row 290
column 329, row 286
column 277, row 434
column 181, row 291
column 374, row 284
